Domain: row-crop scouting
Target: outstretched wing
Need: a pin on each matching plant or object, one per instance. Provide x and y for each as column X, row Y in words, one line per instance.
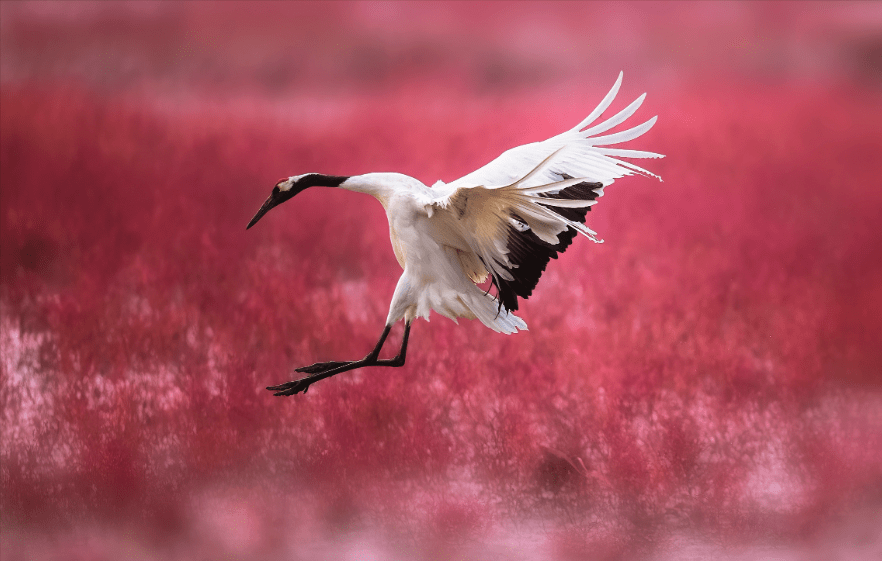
column 588, row 156
column 513, row 215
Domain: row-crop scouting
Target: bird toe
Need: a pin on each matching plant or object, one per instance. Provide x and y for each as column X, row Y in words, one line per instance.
column 320, row 367
column 290, row 388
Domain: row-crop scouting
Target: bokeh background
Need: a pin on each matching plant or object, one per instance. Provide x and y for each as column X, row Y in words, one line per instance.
column 706, row 383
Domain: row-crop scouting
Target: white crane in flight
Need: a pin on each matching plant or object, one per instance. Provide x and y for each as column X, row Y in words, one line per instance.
column 505, row 220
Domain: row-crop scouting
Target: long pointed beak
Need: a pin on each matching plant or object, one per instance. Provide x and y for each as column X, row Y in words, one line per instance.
column 271, row 202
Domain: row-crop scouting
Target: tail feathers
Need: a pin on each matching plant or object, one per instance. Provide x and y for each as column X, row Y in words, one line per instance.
column 467, row 301
column 486, row 308
column 496, row 318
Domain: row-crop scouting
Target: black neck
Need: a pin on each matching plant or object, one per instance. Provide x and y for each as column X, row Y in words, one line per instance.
column 320, row 180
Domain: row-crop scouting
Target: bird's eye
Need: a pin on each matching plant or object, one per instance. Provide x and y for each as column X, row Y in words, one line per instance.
column 276, row 190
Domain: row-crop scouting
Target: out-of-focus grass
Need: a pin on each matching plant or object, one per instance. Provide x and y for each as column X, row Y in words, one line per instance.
column 710, row 372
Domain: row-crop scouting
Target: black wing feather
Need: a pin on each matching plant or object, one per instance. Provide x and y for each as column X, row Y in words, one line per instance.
column 530, row 255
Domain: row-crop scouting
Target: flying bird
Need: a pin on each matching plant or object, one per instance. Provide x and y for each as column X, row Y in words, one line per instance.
column 504, row 221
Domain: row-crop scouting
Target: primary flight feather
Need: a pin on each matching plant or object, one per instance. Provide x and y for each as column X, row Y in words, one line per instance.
column 504, row 221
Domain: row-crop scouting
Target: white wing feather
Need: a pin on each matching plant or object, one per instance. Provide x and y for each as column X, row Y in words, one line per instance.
column 517, row 189
column 585, row 158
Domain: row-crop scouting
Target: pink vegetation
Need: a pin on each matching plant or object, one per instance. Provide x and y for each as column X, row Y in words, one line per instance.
column 710, row 373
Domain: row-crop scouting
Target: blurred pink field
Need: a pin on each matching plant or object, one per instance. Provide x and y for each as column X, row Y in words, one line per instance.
column 708, row 381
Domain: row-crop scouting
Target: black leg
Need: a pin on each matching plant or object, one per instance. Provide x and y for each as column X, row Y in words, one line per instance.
column 320, row 367
column 322, row 370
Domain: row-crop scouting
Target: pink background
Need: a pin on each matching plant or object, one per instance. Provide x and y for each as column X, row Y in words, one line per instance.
column 707, row 382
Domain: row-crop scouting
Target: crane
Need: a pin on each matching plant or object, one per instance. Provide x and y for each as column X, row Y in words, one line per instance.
column 504, row 221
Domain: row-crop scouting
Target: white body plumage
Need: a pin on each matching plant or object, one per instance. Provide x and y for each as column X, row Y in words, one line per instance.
column 451, row 235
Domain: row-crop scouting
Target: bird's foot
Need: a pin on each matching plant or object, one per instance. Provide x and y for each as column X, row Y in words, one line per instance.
column 293, row 387
column 320, row 367
column 322, row 370
column 315, row 372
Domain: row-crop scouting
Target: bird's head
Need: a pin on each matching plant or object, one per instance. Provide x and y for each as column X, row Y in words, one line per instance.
column 287, row 188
